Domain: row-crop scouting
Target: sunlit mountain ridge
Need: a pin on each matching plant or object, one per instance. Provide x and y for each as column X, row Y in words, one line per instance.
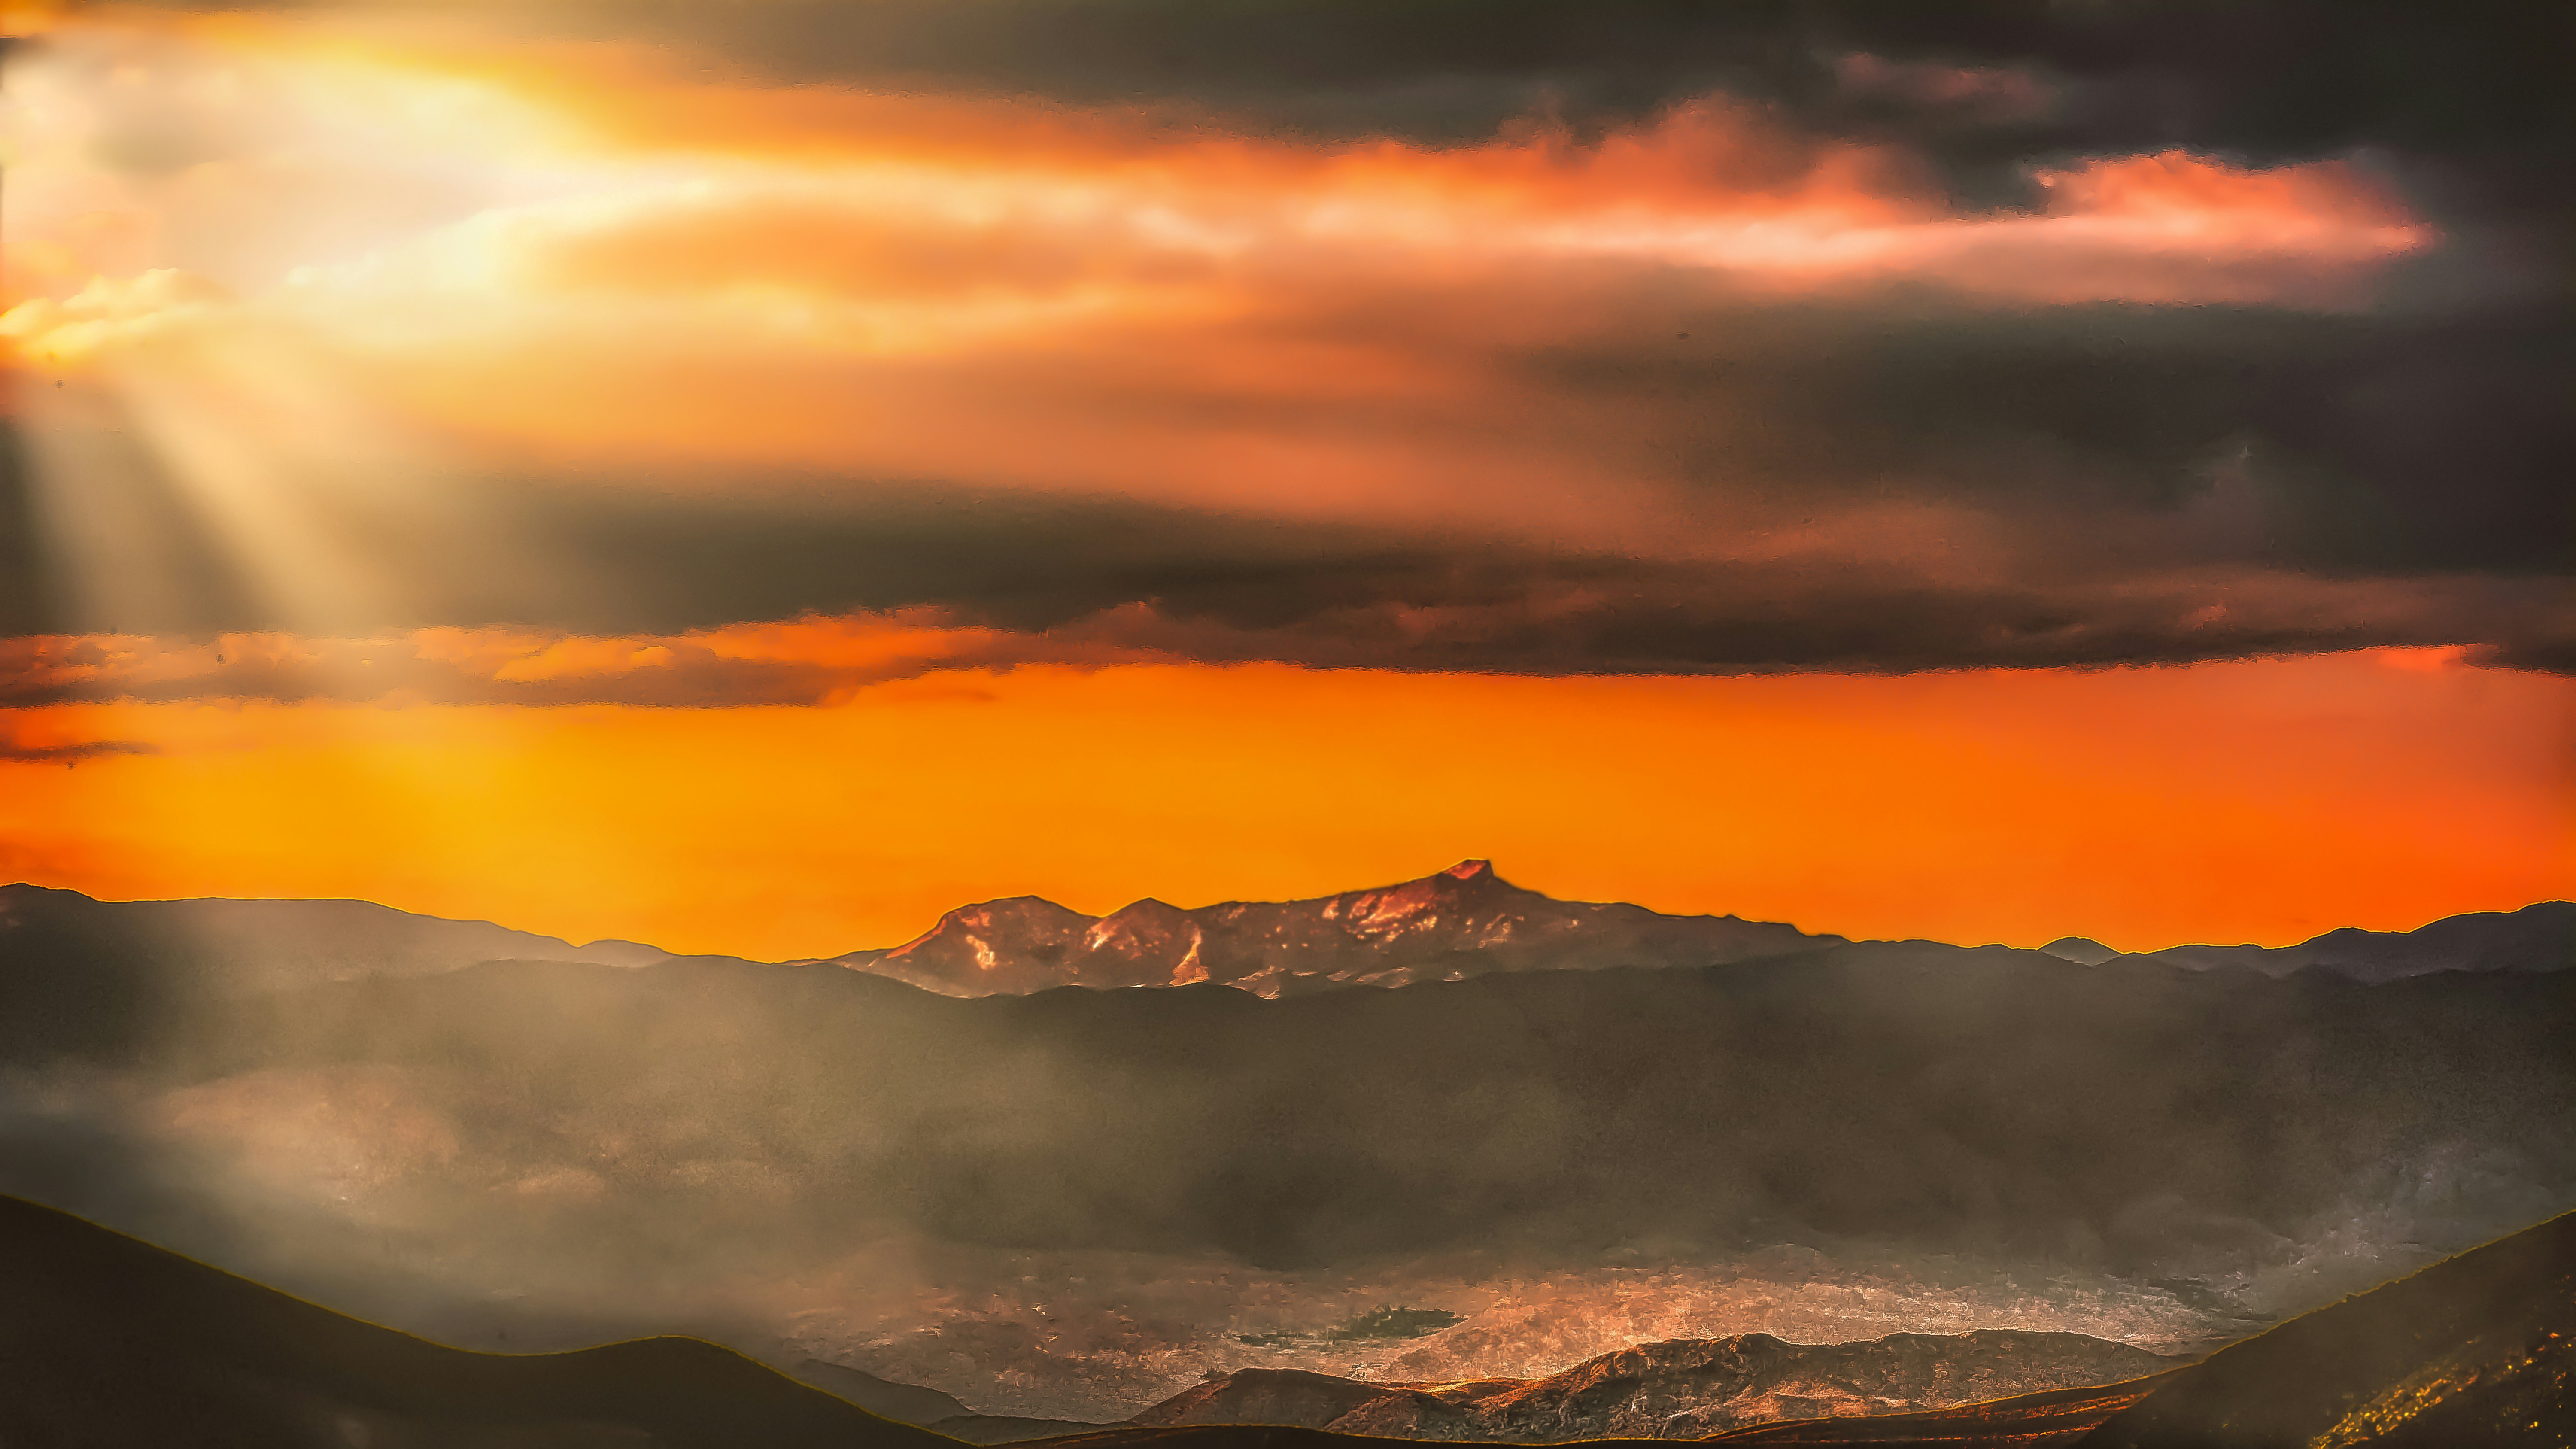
column 1461, row 922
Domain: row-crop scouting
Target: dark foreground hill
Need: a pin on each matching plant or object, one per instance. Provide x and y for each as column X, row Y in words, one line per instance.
column 2477, row 1350
column 1680, row 1389
column 107, row 1342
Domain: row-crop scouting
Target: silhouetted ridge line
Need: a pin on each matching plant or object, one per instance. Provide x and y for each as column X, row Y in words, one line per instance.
column 108, row 1342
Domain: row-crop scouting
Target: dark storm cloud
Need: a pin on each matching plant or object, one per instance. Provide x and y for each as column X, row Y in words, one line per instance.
column 2266, row 79
column 2165, row 488
column 2342, row 445
column 2155, row 483
column 2307, row 77
column 2475, row 86
column 2464, row 104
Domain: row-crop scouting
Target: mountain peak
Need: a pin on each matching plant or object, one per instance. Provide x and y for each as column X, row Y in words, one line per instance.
column 1461, row 921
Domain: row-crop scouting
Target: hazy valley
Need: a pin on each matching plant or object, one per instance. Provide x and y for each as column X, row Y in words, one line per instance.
column 1071, row 1204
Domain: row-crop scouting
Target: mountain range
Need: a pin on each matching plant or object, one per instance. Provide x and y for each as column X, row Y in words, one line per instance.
column 1912, row 1092
column 370, row 1115
column 1463, row 921
column 1468, row 921
column 1458, row 923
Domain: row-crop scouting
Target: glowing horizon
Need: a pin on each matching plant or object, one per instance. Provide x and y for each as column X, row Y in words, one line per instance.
column 444, row 434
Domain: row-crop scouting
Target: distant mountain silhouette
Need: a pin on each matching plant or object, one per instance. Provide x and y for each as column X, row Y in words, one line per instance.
column 1464, row 921
column 1681, row 1389
column 1468, row 921
column 2538, row 937
column 107, row 1342
column 267, row 944
column 76, row 973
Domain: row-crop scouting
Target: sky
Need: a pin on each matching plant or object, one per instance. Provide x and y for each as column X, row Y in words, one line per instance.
column 753, row 477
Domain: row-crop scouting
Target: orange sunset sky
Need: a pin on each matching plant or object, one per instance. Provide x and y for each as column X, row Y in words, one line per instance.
column 674, row 484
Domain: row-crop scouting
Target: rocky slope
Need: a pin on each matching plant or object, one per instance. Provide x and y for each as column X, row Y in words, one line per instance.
column 2476, row 1352
column 1468, row 921
column 1464, row 921
column 1683, row 1389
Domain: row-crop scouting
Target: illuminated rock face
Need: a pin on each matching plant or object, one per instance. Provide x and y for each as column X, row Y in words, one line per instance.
column 1467, row 921
column 1681, row 1389
column 1464, row 921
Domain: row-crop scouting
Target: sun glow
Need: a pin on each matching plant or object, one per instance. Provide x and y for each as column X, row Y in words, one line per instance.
column 283, row 283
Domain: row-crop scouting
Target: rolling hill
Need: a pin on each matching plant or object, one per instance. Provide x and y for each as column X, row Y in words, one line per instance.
column 108, row 1342
column 2539, row 937
column 2477, row 1350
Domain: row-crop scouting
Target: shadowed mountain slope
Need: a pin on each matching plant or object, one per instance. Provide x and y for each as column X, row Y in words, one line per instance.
column 1009, row 1428
column 79, row 975
column 1464, row 921
column 2144, row 1118
column 107, row 1342
column 1681, row 1389
column 2477, row 1350
column 908, row 1403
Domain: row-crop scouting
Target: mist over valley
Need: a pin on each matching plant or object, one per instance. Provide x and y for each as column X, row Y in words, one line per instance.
column 1070, row 1202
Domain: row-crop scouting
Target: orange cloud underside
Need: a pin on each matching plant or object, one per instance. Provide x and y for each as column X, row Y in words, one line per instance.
column 2258, row 801
column 433, row 250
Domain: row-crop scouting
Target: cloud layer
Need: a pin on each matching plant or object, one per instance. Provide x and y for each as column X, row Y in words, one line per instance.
column 1818, row 340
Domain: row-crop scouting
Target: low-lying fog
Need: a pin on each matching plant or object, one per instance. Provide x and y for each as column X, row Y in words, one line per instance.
column 1073, row 1204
